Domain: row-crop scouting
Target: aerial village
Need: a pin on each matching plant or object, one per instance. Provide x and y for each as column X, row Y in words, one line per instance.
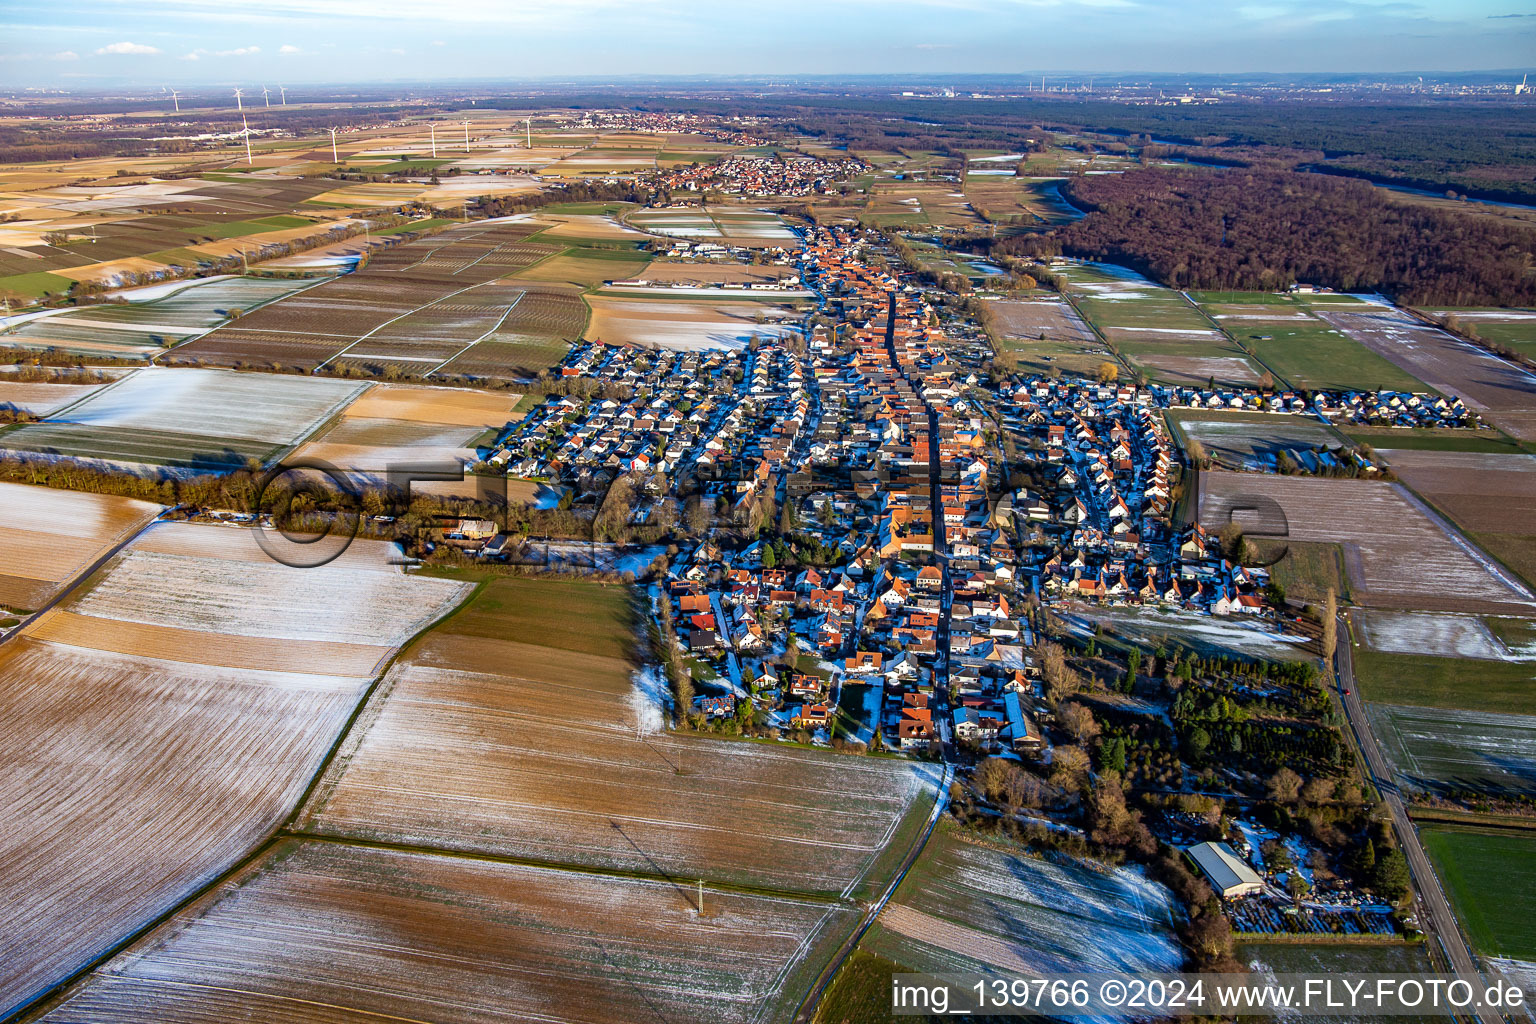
column 861, row 527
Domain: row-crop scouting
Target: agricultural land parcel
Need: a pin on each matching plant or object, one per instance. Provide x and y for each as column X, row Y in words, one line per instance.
column 142, row 329
column 117, row 226
column 446, row 302
column 350, row 933
column 990, row 906
column 520, row 713
column 1500, row 919
column 1503, row 393
column 1492, row 497
column 166, row 720
column 1045, row 334
column 1515, row 328
column 534, row 678
column 187, row 417
column 684, row 324
column 400, row 423
column 1287, row 334
column 1397, row 552
column 47, row 537
column 1155, row 328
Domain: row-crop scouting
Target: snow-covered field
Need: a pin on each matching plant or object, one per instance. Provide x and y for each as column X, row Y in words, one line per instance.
column 216, row 403
column 968, row 907
column 337, row 603
column 127, row 782
column 1150, row 626
column 322, row 931
column 1443, row 635
column 1461, row 749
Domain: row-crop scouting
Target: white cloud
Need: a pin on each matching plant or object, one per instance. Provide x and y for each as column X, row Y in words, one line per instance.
column 244, row 51
column 137, row 49
column 66, row 55
column 192, row 56
column 288, row 48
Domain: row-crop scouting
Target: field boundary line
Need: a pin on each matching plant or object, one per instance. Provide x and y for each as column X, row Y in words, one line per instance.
column 386, row 323
column 496, row 327
column 1279, row 379
column 812, row 999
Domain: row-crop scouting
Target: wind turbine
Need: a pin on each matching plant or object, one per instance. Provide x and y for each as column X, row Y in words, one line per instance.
column 264, row 96
column 284, row 93
column 433, row 129
column 334, row 158
column 245, row 130
column 466, row 135
column 528, row 126
column 175, row 100
column 238, row 104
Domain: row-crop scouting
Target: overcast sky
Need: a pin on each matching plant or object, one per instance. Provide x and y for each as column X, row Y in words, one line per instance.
column 187, row 42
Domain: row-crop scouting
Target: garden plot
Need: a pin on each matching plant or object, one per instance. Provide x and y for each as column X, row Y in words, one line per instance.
column 689, row 326
column 341, row 933
column 1253, row 441
column 970, row 907
column 187, row 416
column 1452, row 749
column 128, row 782
column 1437, row 635
column 47, row 537
column 1398, row 553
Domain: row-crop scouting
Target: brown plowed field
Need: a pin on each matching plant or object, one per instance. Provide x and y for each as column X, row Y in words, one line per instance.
column 1398, row 554
column 1505, row 394
column 326, row 933
column 197, row 647
column 1490, row 496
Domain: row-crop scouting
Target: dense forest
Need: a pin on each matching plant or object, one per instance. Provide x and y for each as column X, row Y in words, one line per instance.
column 1262, row 230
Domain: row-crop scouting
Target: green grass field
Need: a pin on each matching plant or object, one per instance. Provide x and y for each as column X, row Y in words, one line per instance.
column 237, row 228
column 1426, row 440
column 861, row 992
column 586, row 617
column 1309, row 568
column 1315, row 356
column 1508, row 687
column 33, row 286
column 417, row 225
column 1491, row 877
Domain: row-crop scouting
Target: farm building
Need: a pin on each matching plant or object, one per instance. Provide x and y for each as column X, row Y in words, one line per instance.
column 1227, row 872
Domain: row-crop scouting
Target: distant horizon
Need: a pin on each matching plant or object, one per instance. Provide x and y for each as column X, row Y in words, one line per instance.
column 86, row 44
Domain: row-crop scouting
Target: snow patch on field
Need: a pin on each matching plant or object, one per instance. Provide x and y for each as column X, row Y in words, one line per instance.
column 1443, row 635
column 336, row 602
column 215, row 403
column 648, row 700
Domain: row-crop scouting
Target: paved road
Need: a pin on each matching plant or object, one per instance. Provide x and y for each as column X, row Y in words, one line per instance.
column 812, row 998
column 1436, row 918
